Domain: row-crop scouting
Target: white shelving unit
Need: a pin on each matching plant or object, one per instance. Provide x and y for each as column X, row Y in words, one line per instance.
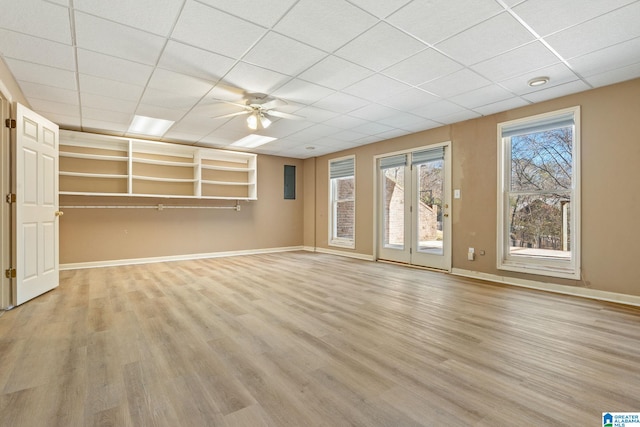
column 99, row 165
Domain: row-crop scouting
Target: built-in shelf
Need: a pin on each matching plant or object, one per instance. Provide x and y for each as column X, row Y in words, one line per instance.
column 99, row 165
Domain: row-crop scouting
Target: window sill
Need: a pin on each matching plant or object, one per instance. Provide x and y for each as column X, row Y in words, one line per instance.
column 562, row 272
column 345, row 244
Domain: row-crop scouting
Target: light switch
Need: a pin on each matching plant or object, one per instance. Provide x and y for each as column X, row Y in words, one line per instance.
column 456, row 193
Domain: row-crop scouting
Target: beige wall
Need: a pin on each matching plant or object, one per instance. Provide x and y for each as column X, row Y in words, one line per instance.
column 90, row 235
column 610, row 201
column 610, row 119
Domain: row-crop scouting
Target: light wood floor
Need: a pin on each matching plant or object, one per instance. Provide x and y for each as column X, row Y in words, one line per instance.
column 304, row 339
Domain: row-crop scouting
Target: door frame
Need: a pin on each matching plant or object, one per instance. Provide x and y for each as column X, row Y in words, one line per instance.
column 448, row 229
column 5, row 208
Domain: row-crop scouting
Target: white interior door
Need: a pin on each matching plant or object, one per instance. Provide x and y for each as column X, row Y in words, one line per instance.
column 414, row 208
column 36, row 207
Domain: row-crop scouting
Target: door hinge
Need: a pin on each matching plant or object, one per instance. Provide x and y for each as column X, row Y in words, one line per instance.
column 10, row 273
column 10, row 123
column 11, row 198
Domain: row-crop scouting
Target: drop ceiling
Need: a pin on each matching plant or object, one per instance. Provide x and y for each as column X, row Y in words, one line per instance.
column 358, row 71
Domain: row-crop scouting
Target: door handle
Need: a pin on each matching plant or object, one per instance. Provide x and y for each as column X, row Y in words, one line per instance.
column 59, row 213
column 446, row 215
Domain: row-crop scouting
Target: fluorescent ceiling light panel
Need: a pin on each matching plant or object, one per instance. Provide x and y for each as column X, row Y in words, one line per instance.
column 144, row 125
column 253, row 140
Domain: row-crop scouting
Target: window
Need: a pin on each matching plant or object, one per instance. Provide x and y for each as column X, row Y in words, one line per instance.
column 342, row 215
column 538, row 198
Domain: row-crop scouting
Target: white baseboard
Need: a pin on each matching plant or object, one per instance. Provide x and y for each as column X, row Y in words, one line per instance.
column 344, row 253
column 187, row 257
column 551, row 287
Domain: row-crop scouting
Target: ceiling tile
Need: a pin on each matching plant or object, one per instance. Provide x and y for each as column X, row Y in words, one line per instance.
column 113, row 39
column 439, row 109
column 107, row 103
column 459, row 82
column 177, row 83
column 380, row 47
column 370, row 128
column 336, row 20
column 37, row 18
column 160, row 112
column 260, row 12
column 376, row 87
column 346, row 122
column 409, row 99
column 166, row 99
column 97, row 126
column 486, row 40
column 45, row 107
column 500, row 106
column 317, row 115
column 194, row 62
column 49, row 93
column 549, row 16
column 33, row 49
column 618, row 75
column 315, row 131
column 558, row 74
column 302, row 92
column 423, row 67
column 282, row 54
column 460, row 116
column 483, row 96
column 435, row 20
column 403, row 121
column 607, row 30
column 71, row 122
column 154, row 16
column 374, row 112
column 380, row 8
column 215, row 31
column 283, row 128
column 340, row 102
column 251, row 78
column 557, row 91
column 112, row 68
column 41, row 74
column 335, row 73
column 529, row 57
column 424, row 125
column 106, row 115
column 613, row 57
column 110, row 88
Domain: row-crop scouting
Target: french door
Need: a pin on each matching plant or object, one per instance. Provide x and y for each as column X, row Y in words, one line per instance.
column 414, row 226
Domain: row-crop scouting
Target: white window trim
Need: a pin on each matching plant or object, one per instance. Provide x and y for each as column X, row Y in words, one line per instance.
column 341, row 242
column 531, row 265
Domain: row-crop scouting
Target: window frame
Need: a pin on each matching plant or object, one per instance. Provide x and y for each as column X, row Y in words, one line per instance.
column 333, row 204
column 568, row 269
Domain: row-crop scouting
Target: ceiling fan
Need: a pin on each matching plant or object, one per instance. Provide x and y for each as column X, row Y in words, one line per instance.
column 260, row 106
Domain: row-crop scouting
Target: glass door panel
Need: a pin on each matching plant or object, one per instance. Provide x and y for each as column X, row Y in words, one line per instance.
column 430, row 177
column 393, row 207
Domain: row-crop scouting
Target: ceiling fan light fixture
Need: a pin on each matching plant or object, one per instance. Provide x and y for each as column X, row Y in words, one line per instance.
column 252, row 121
column 258, row 120
column 265, row 122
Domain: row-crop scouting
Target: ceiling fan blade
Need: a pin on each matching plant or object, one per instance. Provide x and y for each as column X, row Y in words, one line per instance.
column 232, row 114
column 283, row 115
column 274, row 103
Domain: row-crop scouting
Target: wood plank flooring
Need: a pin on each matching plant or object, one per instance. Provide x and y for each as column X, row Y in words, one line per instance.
column 305, row 339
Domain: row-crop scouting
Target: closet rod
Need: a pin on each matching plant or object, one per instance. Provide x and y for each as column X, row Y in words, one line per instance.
column 159, row 207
